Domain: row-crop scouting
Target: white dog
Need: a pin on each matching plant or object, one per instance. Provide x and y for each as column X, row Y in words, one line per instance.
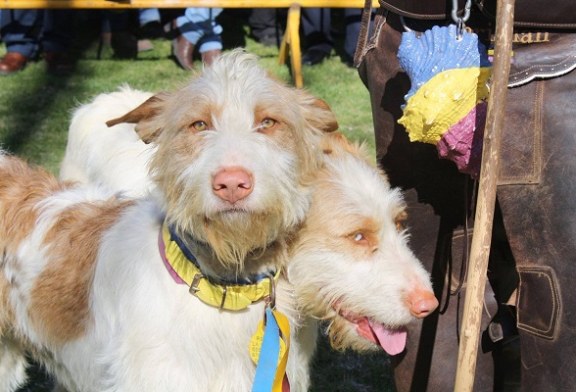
column 91, row 284
column 113, row 157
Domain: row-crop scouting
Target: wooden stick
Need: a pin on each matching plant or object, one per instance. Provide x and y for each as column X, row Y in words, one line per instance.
column 480, row 248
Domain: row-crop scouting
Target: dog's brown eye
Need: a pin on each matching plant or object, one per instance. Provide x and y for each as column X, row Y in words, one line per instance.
column 365, row 239
column 361, row 239
column 268, row 123
column 199, row 125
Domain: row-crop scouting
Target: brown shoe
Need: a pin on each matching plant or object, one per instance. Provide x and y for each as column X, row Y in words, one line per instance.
column 58, row 63
column 211, row 55
column 182, row 50
column 12, row 62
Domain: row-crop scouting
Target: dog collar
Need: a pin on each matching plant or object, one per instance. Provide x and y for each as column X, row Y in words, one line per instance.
column 234, row 296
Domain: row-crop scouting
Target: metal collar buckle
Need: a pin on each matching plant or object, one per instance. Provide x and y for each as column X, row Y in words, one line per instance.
column 271, row 300
column 195, row 282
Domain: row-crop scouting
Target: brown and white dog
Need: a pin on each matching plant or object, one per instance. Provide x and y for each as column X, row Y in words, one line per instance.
column 350, row 264
column 85, row 285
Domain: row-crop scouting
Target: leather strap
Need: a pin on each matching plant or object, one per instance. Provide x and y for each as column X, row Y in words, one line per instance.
column 528, row 13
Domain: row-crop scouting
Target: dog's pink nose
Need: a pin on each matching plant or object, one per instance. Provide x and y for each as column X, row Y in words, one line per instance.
column 421, row 302
column 232, row 184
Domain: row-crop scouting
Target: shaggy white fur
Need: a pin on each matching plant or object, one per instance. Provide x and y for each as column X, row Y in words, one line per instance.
column 112, row 156
column 236, row 168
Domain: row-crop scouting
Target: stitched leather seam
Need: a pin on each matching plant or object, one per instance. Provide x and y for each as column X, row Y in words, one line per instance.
column 547, row 71
column 532, row 174
column 547, row 334
column 538, row 125
column 374, row 39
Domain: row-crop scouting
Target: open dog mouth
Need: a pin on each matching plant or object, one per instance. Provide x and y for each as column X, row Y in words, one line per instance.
column 393, row 341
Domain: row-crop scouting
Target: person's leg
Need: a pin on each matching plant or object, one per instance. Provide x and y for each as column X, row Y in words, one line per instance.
column 316, row 25
column 149, row 20
column 352, row 18
column 264, row 26
column 19, row 30
column 537, row 190
column 56, row 39
column 123, row 41
column 57, row 31
column 198, row 22
column 198, row 26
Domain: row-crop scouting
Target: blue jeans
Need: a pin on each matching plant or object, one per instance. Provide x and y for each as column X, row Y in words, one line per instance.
column 29, row 32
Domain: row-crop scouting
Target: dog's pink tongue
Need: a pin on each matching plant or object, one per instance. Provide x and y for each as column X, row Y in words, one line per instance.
column 392, row 341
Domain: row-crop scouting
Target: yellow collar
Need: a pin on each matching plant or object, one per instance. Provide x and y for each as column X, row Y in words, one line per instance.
column 235, row 296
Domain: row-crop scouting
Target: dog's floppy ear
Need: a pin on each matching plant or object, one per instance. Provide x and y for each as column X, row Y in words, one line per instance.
column 317, row 112
column 143, row 116
column 327, row 120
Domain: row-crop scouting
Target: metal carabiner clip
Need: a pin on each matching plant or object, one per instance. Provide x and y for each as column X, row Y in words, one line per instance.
column 461, row 21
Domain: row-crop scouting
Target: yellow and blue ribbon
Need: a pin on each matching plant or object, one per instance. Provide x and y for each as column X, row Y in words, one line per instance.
column 271, row 366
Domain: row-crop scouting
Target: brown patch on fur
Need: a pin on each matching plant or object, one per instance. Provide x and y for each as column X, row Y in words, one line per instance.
column 59, row 304
column 21, row 188
column 6, row 315
column 337, row 143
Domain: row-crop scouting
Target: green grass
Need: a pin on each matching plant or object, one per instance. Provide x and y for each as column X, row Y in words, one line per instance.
column 35, row 110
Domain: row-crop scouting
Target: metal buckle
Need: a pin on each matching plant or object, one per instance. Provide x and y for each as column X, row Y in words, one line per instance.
column 194, row 289
column 272, row 296
column 223, row 297
column 194, row 285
